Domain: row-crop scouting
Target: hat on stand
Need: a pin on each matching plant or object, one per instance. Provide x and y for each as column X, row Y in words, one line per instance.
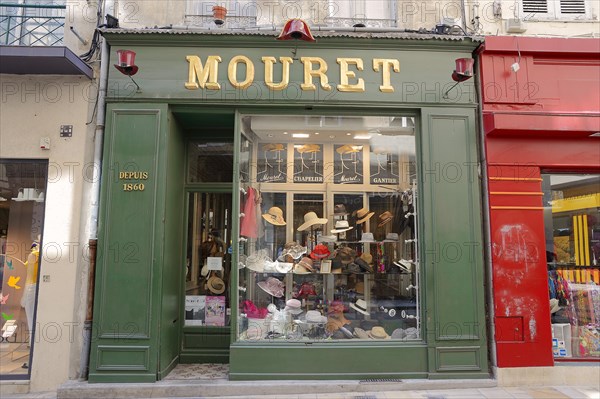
column 274, row 216
column 321, row 251
column 367, row 237
column 272, row 286
column 361, row 307
column 341, row 226
column 311, row 219
column 340, row 210
column 385, row 218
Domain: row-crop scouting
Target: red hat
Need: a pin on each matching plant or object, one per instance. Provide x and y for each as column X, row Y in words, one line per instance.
column 320, row 252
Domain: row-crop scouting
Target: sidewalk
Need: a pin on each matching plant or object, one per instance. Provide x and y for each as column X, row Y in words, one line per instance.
column 587, row 392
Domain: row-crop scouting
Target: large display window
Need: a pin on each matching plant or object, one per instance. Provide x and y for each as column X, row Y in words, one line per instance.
column 328, row 229
column 22, row 199
column 572, row 225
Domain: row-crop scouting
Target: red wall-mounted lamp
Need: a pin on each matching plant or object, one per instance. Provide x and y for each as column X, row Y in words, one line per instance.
column 463, row 71
column 126, row 64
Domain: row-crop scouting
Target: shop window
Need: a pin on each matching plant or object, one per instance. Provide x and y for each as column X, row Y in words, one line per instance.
column 210, row 162
column 240, row 13
column 371, row 13
column 555, row 9
column 572, row 226
column 330, row 252
column 22, row 197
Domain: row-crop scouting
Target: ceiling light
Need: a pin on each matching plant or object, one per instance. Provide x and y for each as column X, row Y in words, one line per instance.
column 332, row 137
column 348, row 134
column 316, row 132
column 285, row 132
column 362, row 136
column 300, row 135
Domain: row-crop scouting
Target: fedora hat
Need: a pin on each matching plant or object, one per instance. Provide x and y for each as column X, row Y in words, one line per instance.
column 320, row 252
column 385, row 218
column 311, row 219
column 398, row 333
column 257, row 260
column 274, row 216
column 300, row 269
column 353, row 268
column 341, row 226
column 331, row 238
column 391, row 237
column 363, row 215
column 306, row 263
column 360, row 306
column 367, row 258
column 272, row 286
column 378, row 333
column 364, row 266
column 340, row 210
column 367, row 237
column 215, row 285
column 360, row 333
column 554, row 305
column 346, row 255
column 404, row 265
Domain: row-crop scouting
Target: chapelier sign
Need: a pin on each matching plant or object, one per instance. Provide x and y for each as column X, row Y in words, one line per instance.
column 204, row 75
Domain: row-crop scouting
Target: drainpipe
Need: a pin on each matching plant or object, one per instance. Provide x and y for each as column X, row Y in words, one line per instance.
column 487, row 235
column 94, row 205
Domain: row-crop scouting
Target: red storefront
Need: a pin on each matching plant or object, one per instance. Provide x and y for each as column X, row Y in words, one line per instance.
column 541, row 120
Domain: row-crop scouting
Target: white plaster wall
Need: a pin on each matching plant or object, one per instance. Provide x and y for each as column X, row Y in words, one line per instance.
column 32, row 107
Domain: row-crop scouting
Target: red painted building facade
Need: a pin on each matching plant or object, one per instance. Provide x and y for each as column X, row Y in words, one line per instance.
column 541, row 120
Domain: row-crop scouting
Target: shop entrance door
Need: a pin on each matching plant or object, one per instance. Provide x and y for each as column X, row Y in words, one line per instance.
column 205, row 337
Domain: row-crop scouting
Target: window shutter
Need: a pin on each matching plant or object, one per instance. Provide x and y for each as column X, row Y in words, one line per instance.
column 535, row 7
column 576, row 7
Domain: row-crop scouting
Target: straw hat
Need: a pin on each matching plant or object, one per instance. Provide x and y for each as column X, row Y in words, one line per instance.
column 311, row 219
column 363, row 215
column 308, row 148
column 306, row 263
column 347, row 149
column 385, row 218
column 367, row 258
column 300, row 269
column 215, row 285
column 378, row 333
column 274, row 216
column 273, row 147
column 346, row 255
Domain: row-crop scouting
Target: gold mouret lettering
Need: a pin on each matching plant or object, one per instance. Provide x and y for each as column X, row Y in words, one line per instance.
column 205, row 75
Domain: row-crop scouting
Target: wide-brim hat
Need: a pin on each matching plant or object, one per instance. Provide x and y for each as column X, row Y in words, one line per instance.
column 361, row 307
column 341, row 226
column 391, row 237
column 273, row 147
column 320, row 252
column 347, row 149
column 378, row 333
column 215, row 285
column 284, row 267
column 272, row 286
column 363, row 215
column 404, row 265
column 385, row 218
column 257, row 260
column 293, row 249
column 274, row 216
column 367, row 237
column 271, row 267
column 311, row 219
column 308, row 148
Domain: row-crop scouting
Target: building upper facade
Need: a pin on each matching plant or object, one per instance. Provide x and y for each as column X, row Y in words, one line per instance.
column 570, row 18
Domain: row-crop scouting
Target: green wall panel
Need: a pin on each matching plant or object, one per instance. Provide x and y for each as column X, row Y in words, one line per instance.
column 130, row 246
column 452, row 244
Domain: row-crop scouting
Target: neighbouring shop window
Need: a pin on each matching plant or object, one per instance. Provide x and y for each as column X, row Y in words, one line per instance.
column 22, row 197
column 329, row 251
column 572, row 226
column 208, row 261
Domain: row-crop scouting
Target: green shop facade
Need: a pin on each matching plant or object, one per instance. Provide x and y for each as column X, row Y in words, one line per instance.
column 297, row 210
